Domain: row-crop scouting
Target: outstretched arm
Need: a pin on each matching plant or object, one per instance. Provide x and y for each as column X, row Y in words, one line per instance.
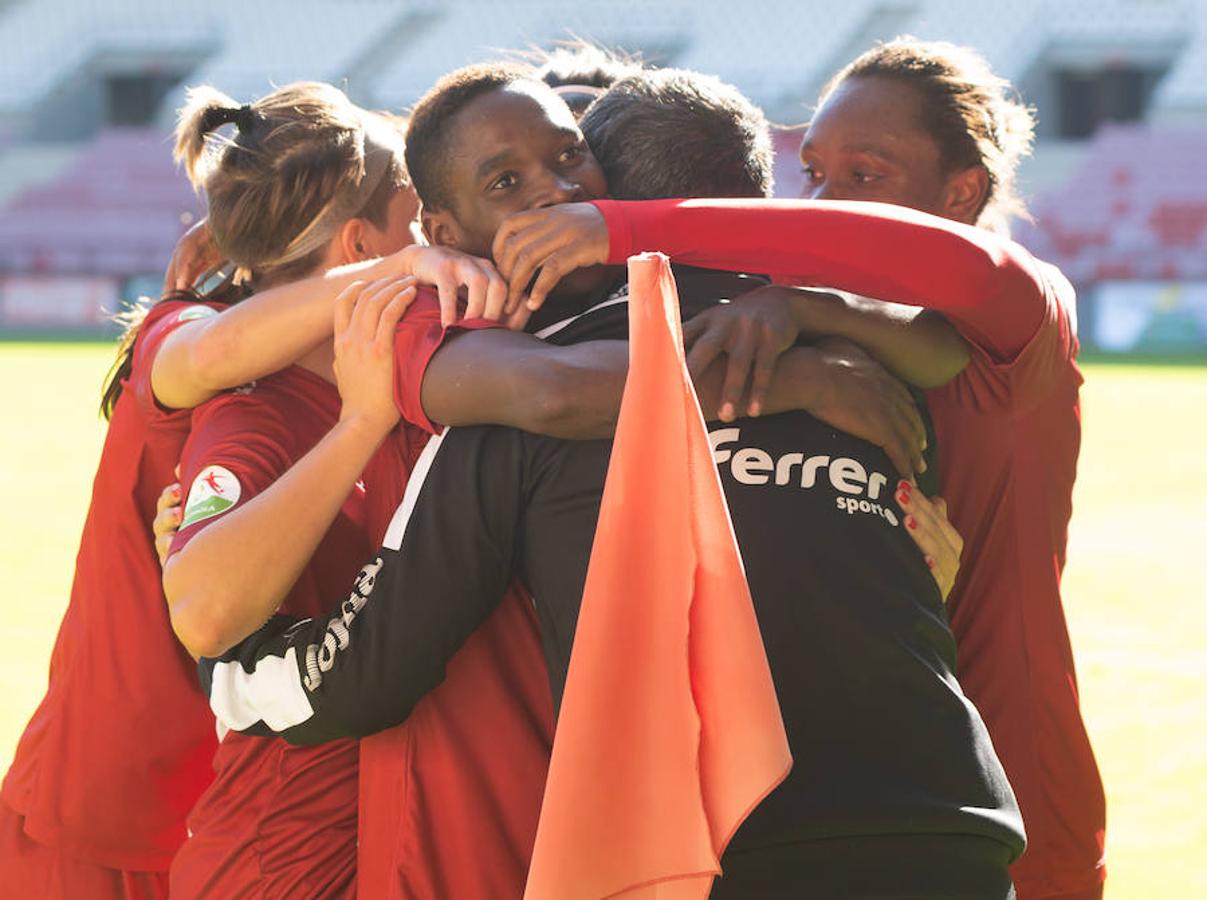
column 919, row 346
column 503, row 377
column 990, row 287
column 363, row 667
column 272, row 329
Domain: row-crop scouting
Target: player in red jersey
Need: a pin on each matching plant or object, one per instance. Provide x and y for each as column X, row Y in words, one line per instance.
column 95, row 805
column 308, row 182
column 1011, row 426
column 550, row 160
column 928, row 126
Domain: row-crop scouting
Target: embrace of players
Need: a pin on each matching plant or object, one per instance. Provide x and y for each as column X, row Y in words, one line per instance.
column 391, row 423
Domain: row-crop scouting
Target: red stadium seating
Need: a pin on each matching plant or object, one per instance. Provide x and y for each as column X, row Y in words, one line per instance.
column 118, row 209
column 1136, row 207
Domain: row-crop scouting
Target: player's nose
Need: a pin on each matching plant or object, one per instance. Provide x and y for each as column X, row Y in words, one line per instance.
column 823, row 190
column 562, row 190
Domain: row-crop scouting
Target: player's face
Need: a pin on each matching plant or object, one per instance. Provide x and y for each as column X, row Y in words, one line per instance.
column 866, row 142
column 513, row 149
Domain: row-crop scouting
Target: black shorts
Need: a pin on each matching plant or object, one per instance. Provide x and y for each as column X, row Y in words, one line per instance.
column 899, row 867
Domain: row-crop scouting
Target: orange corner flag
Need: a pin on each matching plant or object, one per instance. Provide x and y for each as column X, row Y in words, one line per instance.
column 669, row 732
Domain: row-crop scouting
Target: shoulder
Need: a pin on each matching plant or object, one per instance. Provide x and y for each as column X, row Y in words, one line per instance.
column 1062, row 297
column 168, row 314
column 284, row 407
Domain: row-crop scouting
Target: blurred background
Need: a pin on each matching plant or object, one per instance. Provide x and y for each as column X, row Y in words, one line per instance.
column 90, row 203
column 91, row 206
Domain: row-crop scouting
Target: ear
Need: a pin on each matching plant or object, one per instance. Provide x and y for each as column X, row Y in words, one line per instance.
column 352, row 241
column 441, row 228
column 964, row 194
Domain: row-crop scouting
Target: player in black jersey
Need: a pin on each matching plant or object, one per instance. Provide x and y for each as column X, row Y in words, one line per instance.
column 895, row 791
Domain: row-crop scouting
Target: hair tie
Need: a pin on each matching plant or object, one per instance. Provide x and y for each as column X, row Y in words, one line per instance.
column 245, row 118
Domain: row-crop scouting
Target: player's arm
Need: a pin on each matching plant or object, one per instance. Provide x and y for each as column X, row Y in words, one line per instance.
column 500, row 377
column 990, row 287
column 233, row 573
column 917, row 345
column 447, row 561
column 272, row 329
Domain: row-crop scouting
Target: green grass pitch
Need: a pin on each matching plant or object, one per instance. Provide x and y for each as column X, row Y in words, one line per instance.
column 1134, row 587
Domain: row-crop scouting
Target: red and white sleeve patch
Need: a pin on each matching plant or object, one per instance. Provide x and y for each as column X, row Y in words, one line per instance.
column 214, row 491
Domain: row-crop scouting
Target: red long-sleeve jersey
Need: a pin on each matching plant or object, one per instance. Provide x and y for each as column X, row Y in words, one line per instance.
column 1009, row 434
column 101, row 774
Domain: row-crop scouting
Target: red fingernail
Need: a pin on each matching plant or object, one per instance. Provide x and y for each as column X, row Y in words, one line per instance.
column 911, row 523
column 903, row 485
column 930, row 563
column 903, row 498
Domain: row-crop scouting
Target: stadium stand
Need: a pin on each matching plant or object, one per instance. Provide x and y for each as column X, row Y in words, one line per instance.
column 116, row 210
column 87, row 93
column 468, row 31
column 1135, row 208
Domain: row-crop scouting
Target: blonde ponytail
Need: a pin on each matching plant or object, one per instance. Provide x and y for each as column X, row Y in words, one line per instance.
column 304, row 160
column 206, row 109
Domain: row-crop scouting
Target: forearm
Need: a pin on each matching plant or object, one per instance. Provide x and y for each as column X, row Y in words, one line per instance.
column 574, row 392
column 381, row 647
column 988, row 285
column 504, row 378
column 228, row 580
column 264, row 334
column 918, row 346
column 347, row 694
column 793, row 384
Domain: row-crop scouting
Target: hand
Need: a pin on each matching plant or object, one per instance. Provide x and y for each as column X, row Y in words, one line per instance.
column 927, row 523
column 366, row 314
column 555, row 240
column 449, row 270
column 168, row 514
column 753, row 330
column 195, row 254
column 859, row 396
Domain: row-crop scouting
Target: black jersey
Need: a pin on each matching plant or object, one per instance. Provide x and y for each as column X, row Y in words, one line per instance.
column 884, row 741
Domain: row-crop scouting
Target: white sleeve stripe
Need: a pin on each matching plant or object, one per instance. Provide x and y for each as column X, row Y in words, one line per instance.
column 621, row 295
column 272, row 693
column 402, row 515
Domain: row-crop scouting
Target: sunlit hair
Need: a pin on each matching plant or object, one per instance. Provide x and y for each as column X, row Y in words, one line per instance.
column 675, row 133
column 580, row 62
column 303, row 160
column 973, row 115
column 580, row 71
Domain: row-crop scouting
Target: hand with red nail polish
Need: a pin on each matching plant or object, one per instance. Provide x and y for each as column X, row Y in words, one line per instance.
column 926, row 523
